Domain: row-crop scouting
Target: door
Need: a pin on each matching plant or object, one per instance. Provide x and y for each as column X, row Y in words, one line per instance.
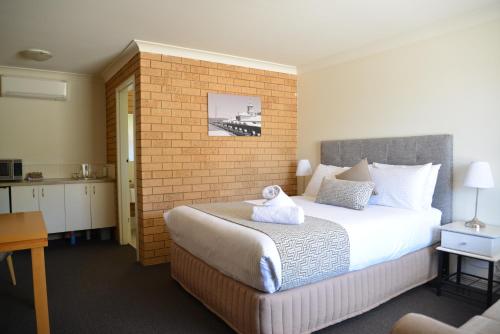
column 51, row 200
column 77, row 204
column 102, row 205
column 125, row 159
column 24, row 199
column 4, row 200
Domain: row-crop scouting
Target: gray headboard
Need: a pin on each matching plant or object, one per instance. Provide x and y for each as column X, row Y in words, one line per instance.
column 437, row 149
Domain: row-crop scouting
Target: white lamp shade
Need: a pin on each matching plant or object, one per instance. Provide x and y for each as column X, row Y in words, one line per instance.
column 303, row 168
column 479, row 175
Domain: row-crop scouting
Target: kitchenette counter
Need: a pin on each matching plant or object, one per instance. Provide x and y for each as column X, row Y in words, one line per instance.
column 54, row 181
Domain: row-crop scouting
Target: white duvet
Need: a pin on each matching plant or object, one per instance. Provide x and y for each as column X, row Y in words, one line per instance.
column 376, row 234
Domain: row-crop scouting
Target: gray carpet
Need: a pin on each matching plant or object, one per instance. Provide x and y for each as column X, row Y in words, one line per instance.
column 97, row 287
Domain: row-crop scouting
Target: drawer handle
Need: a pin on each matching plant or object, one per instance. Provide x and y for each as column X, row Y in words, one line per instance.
column 463, row 243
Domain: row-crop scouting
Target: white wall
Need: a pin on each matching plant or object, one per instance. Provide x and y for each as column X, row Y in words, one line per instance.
column 54, row 133
column 448, row 84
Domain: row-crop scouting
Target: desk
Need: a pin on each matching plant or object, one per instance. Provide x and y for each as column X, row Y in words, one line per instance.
column 27, row 230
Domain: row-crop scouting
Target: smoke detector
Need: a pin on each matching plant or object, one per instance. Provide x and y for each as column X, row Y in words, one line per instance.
column 36, row 54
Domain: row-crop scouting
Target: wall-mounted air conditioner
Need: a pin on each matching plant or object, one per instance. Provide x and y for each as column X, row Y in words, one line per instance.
column 33, row 88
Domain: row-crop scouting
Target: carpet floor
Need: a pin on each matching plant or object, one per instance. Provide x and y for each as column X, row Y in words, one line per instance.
column 97, row 287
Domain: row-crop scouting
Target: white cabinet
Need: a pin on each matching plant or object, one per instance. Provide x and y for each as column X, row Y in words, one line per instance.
column 102, row 205
column 46, row 198
column 51, row 201
column 24, row 199
column 77, row 198
column 90, row 205
column 69, row 207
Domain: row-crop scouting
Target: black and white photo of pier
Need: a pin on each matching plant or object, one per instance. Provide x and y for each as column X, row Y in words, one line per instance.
column 234, row 115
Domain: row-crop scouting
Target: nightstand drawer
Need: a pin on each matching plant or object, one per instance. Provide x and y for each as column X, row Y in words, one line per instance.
column 470, row 243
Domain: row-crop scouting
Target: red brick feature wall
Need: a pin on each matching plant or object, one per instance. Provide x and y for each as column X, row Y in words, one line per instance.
column 178, row 163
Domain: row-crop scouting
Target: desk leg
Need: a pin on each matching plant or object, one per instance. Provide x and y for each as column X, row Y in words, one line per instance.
column 440, row 272
column 446, row 264
column 489, row 297
column 459, row 268
column 40, row 290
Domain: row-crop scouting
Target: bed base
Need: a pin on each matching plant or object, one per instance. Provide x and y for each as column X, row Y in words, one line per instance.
column 303, row 309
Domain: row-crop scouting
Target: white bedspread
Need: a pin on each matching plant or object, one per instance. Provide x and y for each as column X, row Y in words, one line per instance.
column 376, row 234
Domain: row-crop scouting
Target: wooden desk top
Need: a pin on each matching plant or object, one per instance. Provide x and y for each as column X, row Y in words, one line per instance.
column 22, row 230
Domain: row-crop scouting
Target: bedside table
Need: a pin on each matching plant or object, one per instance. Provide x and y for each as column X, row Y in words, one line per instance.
column 480, row 244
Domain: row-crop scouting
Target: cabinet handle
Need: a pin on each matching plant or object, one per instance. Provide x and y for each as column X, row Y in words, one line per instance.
column 43, row 193
column 33, row 192
column 463, row 243
column 85, row 190
column 93, row 187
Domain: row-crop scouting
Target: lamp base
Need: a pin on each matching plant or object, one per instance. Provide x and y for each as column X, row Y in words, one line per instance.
column 475, row 223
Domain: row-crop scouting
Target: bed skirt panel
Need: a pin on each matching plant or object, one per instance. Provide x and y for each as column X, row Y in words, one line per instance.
column 303, row 309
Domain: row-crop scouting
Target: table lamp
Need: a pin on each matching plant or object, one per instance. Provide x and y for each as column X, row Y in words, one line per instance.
column 478, row 176
column 303, row 168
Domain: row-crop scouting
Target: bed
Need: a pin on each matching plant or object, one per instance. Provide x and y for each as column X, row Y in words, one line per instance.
column 214, row 260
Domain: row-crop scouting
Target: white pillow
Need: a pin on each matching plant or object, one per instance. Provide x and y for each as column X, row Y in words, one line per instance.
column 430, row 184
column 400, row 187
column 320, row 172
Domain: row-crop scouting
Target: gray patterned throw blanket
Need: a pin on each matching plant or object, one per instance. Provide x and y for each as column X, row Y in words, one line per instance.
column 310, row 252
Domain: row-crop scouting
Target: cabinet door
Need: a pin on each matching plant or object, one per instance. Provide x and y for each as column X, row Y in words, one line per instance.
column 51, row 199
column 24, row 198
column 77, row 204
column 103, row 205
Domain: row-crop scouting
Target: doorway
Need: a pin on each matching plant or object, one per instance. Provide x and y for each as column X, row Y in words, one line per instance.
column 126, row 163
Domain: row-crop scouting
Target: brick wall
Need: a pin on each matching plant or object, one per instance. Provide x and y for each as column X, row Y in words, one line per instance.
column 178, row 163
column 130, row 69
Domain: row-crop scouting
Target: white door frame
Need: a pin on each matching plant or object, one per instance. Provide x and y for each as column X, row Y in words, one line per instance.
column 122, row 169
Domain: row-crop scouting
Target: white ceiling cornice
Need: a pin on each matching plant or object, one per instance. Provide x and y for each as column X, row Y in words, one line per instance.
column 215, row 57
column 469, row 20
column 120, row 61
column 177, row 51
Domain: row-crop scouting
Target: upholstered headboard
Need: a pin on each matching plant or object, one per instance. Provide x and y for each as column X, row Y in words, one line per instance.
column 418, row 150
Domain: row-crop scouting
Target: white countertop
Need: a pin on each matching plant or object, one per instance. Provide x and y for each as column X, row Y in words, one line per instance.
column 53, row 181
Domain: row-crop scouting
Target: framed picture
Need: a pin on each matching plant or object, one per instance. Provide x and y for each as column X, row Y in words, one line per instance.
column 234, row 115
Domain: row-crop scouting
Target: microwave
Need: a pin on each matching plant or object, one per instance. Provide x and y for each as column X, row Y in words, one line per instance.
column 11, row 169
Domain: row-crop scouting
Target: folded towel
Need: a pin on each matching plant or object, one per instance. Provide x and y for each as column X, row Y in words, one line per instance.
column 271, row 192
column 275, row 196
column 292, row 215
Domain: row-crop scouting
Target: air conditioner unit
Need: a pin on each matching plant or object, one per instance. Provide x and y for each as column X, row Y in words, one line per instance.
column 33, row 88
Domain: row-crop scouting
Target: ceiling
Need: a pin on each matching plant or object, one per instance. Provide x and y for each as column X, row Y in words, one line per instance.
column 85, row 36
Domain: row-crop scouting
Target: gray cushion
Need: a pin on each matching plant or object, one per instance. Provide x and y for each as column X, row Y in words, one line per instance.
column 347, row 194
column 481, row 325
column 358, row 172
column 414, row 323
column 493, row 312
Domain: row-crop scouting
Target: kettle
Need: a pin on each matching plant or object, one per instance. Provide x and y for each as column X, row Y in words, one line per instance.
column 85, row 170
